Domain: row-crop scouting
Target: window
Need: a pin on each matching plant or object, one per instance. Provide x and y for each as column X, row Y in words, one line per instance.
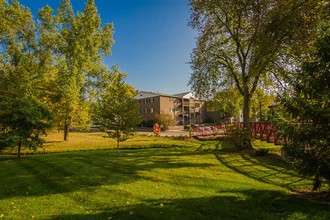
column 148, row 110
column 171, row 99
column 149, row 100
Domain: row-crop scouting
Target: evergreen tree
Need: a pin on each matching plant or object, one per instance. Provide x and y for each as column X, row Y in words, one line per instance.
column 308, row 104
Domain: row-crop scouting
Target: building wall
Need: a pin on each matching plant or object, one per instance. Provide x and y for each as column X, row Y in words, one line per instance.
column 169, row 105
column 148, row 107
column 182, row 110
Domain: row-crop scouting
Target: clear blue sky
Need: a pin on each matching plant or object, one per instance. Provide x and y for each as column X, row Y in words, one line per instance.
column 153, row 41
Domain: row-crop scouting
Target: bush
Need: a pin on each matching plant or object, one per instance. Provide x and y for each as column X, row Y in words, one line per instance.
column 262, row 152
column 209, row 121
column 148, row 123
column 238, row 138
column 165, row 120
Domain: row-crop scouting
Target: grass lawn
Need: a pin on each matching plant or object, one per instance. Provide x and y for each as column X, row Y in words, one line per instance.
column 191, row 182
column 95, row 140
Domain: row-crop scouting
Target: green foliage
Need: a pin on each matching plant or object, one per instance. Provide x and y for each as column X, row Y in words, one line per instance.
column 72, row 46
column 308, row 129
column 241, row 42
column 209, row 121
column 22, row 120
column 238, row 138
column 23, row 114
column 262, row 152
column 164, row 120
column 227, row 102
column 148, row 123
column 116, row 109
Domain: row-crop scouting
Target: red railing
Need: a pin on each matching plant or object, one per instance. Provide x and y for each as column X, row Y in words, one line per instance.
column 264, row 131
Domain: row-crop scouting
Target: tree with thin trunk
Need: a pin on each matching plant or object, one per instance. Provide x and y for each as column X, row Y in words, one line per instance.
column 78, row 44
column 117, row 109
column 240, row 42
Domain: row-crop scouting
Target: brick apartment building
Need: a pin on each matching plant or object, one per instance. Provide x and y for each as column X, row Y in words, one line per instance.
column 184, row 108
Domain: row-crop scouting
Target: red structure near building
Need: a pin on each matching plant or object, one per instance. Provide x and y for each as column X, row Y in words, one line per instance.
column 264, row 131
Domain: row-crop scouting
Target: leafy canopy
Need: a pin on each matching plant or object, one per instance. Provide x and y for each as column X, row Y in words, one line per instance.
column 241, row 41
column 116, row 108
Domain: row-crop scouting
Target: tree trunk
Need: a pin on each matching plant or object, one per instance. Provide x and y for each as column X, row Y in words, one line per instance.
column 246, row 118
column 117, row 146
column 66, row 131
column 19, row 149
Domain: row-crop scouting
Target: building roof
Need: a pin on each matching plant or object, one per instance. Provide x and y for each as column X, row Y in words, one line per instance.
column 181, row 94
column 145, row 94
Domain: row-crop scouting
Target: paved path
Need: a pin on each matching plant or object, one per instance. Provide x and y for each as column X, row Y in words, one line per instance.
column 167, row 133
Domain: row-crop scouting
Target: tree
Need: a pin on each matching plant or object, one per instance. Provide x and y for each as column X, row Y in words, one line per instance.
column 308, row 104
column 79, row 42
column 240, row 42
column 22, row 122
column 228, row 102
column 117, row 109
column 23, row 115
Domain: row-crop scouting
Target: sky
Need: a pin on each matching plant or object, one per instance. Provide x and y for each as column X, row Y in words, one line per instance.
column 153, row 40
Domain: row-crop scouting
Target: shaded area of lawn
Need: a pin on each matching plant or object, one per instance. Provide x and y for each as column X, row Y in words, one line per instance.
column 172, row 183
column 65, row 172
column 255, row 204
column 262, row 169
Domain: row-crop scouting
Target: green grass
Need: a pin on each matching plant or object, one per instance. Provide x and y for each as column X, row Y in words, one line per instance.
column 204, row 181
column 95, row 140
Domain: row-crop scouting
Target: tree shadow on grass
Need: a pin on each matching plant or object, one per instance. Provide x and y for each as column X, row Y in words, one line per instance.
column 68, row 172
column 263, row 170
column 249, row 204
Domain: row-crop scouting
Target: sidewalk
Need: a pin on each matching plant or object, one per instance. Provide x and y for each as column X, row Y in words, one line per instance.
column 165, row 133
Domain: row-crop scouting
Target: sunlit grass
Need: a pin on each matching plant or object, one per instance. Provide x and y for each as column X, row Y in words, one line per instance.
column 98, row 140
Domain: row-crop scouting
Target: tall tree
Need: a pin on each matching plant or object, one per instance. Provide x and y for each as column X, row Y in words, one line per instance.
column 117, row 109
column 80, row 44
column 22, row 113
column 240, row 42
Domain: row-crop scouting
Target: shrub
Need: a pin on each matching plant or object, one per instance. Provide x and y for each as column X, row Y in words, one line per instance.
column 148, row 123
column 262, row 152
column 238, row 138
column 209, row 121
column 165, row 120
